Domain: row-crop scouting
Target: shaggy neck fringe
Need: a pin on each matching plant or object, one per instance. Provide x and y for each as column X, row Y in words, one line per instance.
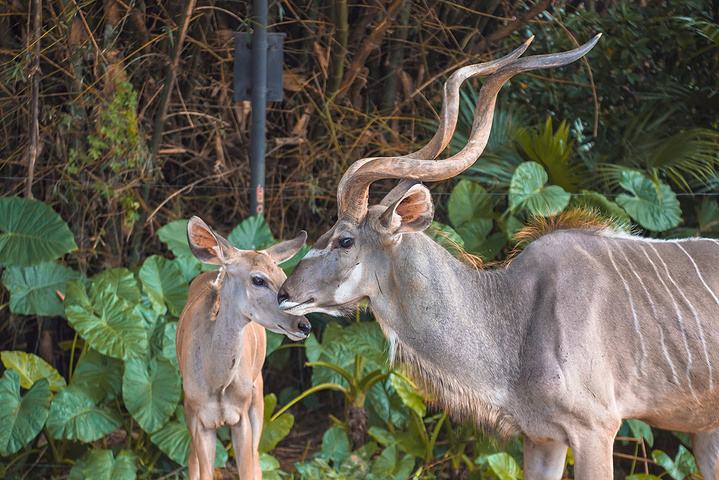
column 461, row 402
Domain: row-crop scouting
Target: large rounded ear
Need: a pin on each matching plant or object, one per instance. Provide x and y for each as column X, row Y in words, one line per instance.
column 409, row 212
column 287, row 249
column 206, row 245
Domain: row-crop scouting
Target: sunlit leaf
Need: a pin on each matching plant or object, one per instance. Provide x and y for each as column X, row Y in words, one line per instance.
column 252, row 233
column 75, row 416
column 33, row 289
column 174, row 235
column 106, row 322
column 164, row 284
column 678, row 468
column 271, row 469
column 589, row 200
column 504, row 466
column 528, row 190
column 273, row 431
column 31, row 233
column 468, row 202
column 21, row 417
column 32, row 368
column 151, row 391
column 409, row 395
column 654, row 206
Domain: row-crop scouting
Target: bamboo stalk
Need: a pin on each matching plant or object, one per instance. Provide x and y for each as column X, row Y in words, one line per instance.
column 34, row 128
column 339, row 45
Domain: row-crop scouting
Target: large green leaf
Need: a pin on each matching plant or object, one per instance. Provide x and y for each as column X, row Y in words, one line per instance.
column 119, row 281
column 528, row 190
column 653, row 205
column 174, row 235
column 75, row 416
column 273, row 431
column 504, row 466
column 151, row 391
column 409, row 394
column 641, row 430
column 101, row 464
column 31, row 233
column 108, row 323
column 680, row 467
column 21, row 418
column 589, row 200
column 468, row 202
column 98, row 376
column 169, row 347
column 32, row 289
column 164, row 283
column 252, row 233
column 32, row 368
column 173, row 439
column 335, row 445
column 447, row 237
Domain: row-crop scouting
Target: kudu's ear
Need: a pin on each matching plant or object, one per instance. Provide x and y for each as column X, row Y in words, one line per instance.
column 206, row 245
column 410, row 213
column 287, row 249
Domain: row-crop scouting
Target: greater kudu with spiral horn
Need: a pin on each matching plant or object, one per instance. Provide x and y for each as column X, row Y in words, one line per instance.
column 584, row 328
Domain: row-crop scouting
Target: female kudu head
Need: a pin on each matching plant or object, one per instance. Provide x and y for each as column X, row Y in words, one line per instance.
column 343, row 266
column 250, row 278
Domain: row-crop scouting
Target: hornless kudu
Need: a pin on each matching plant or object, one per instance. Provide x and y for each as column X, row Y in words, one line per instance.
column 221, row 344
column 582, row 329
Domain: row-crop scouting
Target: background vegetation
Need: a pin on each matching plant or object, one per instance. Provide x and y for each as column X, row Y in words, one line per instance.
column 118, row 118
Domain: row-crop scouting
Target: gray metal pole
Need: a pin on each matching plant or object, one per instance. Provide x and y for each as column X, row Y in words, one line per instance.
column 259, row 107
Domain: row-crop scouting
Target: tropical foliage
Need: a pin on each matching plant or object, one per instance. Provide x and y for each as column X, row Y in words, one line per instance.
column 95, row 271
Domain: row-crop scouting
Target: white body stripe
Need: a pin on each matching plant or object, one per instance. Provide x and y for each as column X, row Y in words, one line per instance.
column 637, row 328
column 694, row 313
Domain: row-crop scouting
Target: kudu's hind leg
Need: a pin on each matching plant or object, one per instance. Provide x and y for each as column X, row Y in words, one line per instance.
column 543, row 460
column 706, row 450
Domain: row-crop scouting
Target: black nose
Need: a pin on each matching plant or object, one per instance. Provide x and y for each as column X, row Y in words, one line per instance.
column 305, row 327
column 282, row 295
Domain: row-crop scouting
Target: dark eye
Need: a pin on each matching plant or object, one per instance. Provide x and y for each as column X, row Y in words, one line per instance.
column 258, row 281
column 347, row 242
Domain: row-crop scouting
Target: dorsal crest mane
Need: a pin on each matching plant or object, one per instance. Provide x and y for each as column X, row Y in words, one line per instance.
column 589, row 220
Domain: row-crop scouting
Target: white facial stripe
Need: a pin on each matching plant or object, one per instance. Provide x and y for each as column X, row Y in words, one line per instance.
column 316, row 253
column 348, row 290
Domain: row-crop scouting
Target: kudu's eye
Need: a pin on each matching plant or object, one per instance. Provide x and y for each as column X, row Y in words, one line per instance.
column 258, row 281
column 347, row 242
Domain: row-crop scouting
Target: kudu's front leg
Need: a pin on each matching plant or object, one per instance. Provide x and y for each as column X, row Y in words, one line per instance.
column 593, row 454
column 706, row 449
column 543, row 460
column 257, row 417
column 202, row 450
column 245, row 456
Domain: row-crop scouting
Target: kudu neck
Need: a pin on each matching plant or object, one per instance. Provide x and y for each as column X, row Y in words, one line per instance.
column 449, row 312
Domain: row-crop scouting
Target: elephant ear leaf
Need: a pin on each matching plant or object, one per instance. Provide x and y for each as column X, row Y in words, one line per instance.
column 252, row 233
column 165, row 284
column 21, row 417
column 101, row 464
column 654, row 206
column 31, row 232
column 173, row 439
column 274, row 430
column 33, row 289
column 32, row 368
column 75, row 416
column 528, row 190
column 151, row 391
column 107, row 322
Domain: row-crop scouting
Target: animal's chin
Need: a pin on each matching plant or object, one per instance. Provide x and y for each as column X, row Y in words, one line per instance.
column 335, row 310
column 294, row 336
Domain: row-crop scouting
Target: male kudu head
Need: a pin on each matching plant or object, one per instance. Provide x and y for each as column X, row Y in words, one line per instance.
column 251, row 278
column 343, row 266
